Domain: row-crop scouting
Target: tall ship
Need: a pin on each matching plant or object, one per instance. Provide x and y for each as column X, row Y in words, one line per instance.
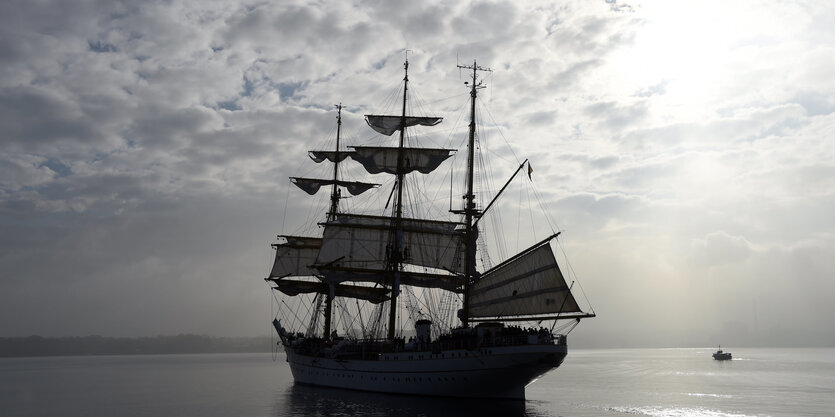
column 404, row 302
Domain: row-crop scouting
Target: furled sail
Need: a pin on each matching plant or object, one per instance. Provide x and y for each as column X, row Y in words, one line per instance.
column 336, row 274
column 294, row 287
column 294, row 257
column 319, row 156
column 312, row 185
column 359, row 241
column 528, row 284
column 377, row 159
column 390, row 124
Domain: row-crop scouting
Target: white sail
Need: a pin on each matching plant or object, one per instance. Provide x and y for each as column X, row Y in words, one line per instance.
column 377, row 159
column 357, row 241
column 312, row 185
column 528, row 284
column 294, row 257
column 390, row 124
column 294, row 287
column 320, row 156
column 378, row 275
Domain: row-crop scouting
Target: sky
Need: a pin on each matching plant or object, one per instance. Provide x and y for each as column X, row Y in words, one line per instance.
column 683, row 148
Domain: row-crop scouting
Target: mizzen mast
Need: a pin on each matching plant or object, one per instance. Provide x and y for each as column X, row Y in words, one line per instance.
column 470, row 210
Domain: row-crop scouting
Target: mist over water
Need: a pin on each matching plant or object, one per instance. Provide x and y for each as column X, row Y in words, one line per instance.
column 634, row 382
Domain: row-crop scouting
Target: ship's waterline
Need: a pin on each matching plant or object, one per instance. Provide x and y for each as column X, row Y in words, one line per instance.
column 498, row 372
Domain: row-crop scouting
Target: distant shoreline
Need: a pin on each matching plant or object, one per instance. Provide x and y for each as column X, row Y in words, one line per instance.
column 37, row 346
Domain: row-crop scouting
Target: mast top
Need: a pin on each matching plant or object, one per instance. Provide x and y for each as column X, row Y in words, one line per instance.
column 406, row 66
column 475, row 67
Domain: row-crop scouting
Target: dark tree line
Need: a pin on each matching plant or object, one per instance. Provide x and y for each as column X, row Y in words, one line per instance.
column 100, row 345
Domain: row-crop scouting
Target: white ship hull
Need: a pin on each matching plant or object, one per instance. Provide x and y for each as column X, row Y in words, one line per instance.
column 495, row 372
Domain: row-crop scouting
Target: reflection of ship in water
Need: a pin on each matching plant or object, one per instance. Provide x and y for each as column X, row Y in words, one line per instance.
column 372, row 278
column 308, row 400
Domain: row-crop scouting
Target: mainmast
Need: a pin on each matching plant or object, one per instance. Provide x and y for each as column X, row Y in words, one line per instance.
column 357, row 256
column 396, row 256
column 470, row 210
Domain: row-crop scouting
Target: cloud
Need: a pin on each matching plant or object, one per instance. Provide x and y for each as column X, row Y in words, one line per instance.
column 22, row 170
column 618, row 117
column 34, row 118
column 720, row 247
column 146, row 148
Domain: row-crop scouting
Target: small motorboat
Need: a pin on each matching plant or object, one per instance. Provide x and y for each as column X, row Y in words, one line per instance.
column 722, row 356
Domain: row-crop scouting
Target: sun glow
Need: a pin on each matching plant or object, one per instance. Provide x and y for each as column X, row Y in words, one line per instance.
column 680, row 53
column 690, row 55
column 686, row 54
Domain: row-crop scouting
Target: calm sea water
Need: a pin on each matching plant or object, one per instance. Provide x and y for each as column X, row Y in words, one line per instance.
column 633, row 382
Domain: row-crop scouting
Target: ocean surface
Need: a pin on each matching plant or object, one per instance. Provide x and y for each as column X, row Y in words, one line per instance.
column 628, row 382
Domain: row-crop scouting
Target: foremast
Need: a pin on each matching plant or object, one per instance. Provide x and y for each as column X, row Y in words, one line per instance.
column 334, row 209
column 296, row 257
